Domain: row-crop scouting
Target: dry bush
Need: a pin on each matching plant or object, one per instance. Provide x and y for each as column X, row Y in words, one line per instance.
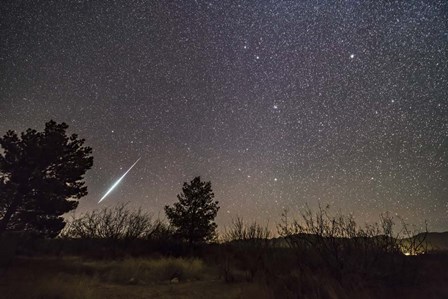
column 347, row 249
column 413, row 241
column 116, row 223
column 244, row 250
column 240, row 231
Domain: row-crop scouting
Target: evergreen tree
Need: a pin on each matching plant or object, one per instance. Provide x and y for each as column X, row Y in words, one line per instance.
column 41, row 178
column 193, row 216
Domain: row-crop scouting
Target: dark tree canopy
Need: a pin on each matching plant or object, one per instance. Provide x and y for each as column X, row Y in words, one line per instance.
column 193, row 216
column 41, row 178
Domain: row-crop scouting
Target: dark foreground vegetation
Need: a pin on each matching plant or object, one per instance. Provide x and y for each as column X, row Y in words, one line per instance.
column 122, row 253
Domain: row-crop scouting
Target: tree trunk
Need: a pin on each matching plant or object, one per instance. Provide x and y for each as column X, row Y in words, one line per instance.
column 9, row 212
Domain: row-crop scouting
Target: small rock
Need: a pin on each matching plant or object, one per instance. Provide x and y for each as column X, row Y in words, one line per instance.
column 175, row 280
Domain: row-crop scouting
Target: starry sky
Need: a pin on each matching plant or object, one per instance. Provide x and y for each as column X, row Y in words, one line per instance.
column 277, row 103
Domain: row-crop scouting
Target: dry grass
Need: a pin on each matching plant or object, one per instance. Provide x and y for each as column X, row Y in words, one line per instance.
column 74, row 277
column 148, row 271
column 51, row 278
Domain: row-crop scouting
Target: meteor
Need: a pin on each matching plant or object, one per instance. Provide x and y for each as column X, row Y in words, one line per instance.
column 118, row 181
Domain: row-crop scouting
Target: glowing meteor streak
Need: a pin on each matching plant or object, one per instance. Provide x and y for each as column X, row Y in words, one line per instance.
column 118, row 181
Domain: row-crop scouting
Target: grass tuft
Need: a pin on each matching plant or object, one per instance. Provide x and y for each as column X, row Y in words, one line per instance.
column 147, row 271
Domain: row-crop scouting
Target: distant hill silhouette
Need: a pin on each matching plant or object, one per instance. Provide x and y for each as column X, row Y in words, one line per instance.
column 437, row 241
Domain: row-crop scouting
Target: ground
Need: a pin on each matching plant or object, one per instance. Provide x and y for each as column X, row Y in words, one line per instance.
column 76, row 278
column 165, row 277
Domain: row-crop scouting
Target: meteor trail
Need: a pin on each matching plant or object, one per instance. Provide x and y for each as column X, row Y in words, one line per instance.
column 118, row 181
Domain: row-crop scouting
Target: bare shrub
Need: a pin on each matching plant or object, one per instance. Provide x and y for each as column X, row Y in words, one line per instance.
column 413, row 241
column 344, row 247
column 239, row 231
column 115, row 223
column 245, row 250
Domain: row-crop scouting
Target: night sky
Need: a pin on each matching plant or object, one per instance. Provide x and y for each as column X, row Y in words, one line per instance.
column 277, row 103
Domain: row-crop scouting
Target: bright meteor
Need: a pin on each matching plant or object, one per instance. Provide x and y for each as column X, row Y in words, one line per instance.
column 118, row 181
